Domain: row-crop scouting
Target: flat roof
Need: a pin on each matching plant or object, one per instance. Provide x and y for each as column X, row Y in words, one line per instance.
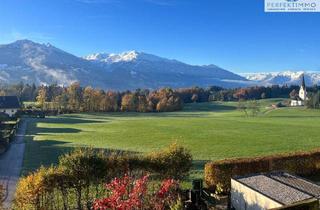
column 297, row 183
column 281, row 187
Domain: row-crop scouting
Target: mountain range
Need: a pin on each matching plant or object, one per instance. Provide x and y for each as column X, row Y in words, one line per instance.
column 285, row 77
column 31, row 62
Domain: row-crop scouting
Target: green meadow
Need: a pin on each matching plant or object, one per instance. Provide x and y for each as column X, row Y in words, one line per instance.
column 211, row 131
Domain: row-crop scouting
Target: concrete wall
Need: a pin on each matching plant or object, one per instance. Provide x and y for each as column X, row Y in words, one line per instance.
column 244, row 198
column 10, row 112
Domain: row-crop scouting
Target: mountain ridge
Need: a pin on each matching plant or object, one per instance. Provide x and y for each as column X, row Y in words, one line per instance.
column 31, row 62
column 284, row 78
column 43, row 64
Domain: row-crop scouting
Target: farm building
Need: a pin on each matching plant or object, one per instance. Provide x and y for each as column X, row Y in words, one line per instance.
column 274, row 191
column 9, row 105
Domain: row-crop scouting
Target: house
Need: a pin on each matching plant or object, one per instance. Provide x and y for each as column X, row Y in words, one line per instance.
column 9, row 105
column 299, row 100
column 277, row 190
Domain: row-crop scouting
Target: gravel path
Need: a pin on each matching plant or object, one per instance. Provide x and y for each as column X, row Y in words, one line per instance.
column 10, row 165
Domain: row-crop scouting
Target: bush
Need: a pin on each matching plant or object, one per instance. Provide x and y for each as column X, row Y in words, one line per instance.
column 133, row 194
column 221, row 172
column 2, row 195
column 85, row 167
column 80, row 175
column 173, row 162
column 30, row 191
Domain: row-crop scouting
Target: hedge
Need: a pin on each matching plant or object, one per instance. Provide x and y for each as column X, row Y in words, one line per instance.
column 300, row 163
column 7, row 134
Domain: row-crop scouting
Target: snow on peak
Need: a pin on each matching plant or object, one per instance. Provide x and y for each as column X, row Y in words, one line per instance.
column 97, row 57
column 113, row 58
column 128, row 56
column 125, row 56
column 293, row 75
column 285, row 77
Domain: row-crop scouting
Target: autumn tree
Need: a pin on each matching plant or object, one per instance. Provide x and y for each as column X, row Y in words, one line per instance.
column 88, row 98
column 75, row 96
column 242, row 106
column 61, row 102
column 42, row 97
column 166, row 100
column 129, row 102
column 254, row 107
column 110, row 102
column 143, row 105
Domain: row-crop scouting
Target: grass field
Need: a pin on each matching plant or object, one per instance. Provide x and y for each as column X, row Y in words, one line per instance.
column 210, row 130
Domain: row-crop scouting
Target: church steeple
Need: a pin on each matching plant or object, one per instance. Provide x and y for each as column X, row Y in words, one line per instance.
column 303, row 89
column 303, row 84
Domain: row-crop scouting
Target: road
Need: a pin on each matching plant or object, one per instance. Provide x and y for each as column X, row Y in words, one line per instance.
column 10, row 165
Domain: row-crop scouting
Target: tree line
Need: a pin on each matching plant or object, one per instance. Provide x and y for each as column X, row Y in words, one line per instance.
column 87, row 99
column 75, row 98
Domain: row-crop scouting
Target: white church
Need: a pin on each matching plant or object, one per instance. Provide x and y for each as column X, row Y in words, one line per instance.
column 299, row 100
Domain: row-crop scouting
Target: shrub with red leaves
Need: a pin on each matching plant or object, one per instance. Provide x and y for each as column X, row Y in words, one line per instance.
column 126, row 193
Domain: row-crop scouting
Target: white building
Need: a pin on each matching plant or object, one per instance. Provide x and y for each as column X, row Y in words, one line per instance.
column 273, row 191
column 9, row 105
column 299, row 101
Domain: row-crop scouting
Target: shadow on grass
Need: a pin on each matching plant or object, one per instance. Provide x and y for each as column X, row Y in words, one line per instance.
column 65, row 120
column 47, row 152
column 105, row 115
column 207, row 107
column 55, row 130
column 294, row 116
column 198, row 165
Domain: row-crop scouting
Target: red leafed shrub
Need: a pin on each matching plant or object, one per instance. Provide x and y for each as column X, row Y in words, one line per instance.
column 126, row 193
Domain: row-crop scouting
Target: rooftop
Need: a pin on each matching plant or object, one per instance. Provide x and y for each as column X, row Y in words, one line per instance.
column 9, row 102
column 282, row 187
column 297, row 183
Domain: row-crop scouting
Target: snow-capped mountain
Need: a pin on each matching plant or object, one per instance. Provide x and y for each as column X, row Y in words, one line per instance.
column 286, row 77
column 128, row 56
column 146, row 70
column 32, row 62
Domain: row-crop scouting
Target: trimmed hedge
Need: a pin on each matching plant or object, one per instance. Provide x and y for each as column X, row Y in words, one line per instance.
column 7, row 134
column 300, row 163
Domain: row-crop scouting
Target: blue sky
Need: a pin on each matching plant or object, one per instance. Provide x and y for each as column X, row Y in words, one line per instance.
column 234, row 34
